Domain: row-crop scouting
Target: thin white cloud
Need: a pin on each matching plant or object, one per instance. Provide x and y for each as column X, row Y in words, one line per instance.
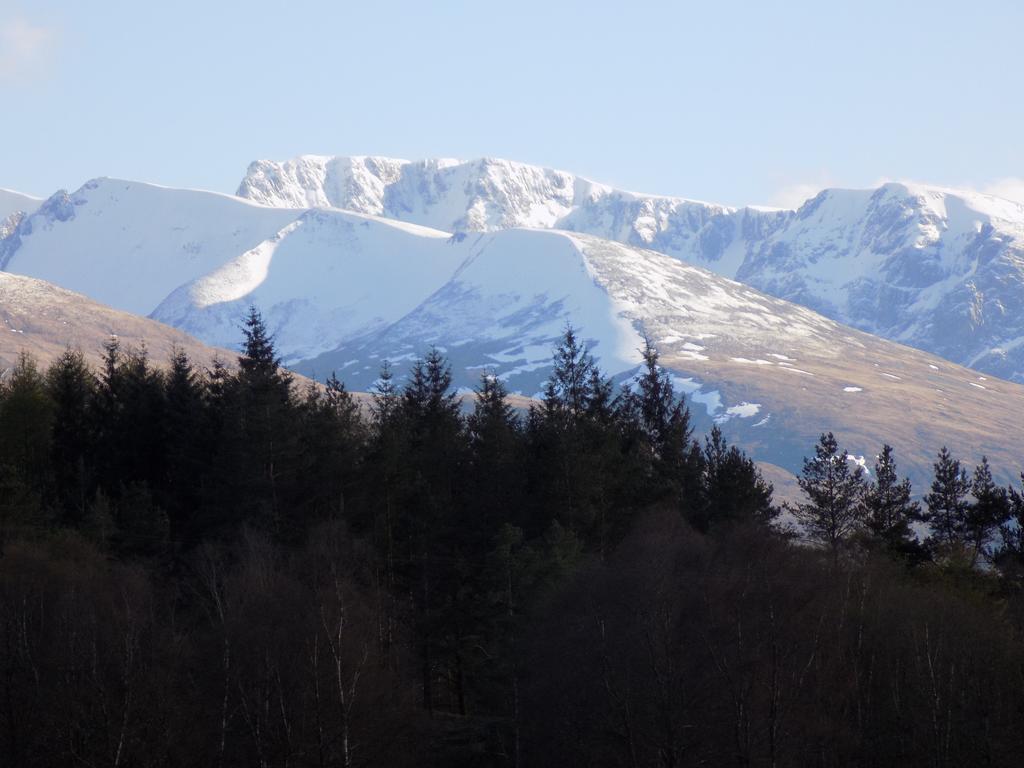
column 795, row 195
column 1010, row 188
column 25, row 48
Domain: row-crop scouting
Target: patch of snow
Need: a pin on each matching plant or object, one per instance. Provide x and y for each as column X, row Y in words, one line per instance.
column 742, row 411
column 860, row 461
column 712, row 401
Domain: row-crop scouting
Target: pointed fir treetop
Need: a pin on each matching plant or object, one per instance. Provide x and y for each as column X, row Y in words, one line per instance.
column 492, row 400
column 181, row 374
column 258, row 353
column 492, row 409
column 428, row 391
column 834, row 509
column 990, row 510
column 947, row 501
column 655, row 397
column 111, row 359
column 889, row 503
column 576, row 387
column 385, row 395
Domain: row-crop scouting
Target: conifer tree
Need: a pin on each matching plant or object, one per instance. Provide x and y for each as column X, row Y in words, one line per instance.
column 429, row 519
column 188, row 452
column 681, row 464
column 576, row 446
column 331, row 438
column 71, row 387
column 989, row 510
column 385, row 396
column 141, row 425
column 386, row 480
column 258, row 456
column 26, row 421
column 834, row 509
column 258, row 353
column 889, row 506
column 947, row 502
column 1009, row 557
column 733, row 488
column 677, row 463
column 655, row 398
column 495, row 436
column 340, row 400
column 570, row 390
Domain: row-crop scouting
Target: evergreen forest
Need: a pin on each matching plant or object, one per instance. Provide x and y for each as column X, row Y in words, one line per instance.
column 228, row 567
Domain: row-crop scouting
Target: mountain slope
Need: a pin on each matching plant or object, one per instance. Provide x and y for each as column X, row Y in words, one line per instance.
column 128, row 244
column 490, row 194
column 772, row 374
column 324, row 278
column 344, row 291
column 941, row 270
column 42, row 319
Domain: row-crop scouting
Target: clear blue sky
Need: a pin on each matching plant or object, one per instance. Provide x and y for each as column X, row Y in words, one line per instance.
column 732, row 102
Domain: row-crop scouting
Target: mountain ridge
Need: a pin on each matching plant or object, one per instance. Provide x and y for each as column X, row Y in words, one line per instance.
column 344, row 290
column 929, row 266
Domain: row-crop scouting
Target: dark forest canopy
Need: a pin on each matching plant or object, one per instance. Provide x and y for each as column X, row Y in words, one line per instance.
column 220, row 567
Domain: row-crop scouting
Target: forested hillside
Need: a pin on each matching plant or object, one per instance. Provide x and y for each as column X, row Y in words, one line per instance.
column 219, row 567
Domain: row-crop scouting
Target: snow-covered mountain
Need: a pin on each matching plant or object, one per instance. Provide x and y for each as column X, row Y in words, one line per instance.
column 487, row 195
column 345, row 290
column 128, row 245
column 942, row 270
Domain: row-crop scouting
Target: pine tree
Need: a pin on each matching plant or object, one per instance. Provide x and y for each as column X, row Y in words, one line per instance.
column 385, row 396
column 71, row 387
column 430, row 520
column 989, row 510
column 947, row 503
column 428, row 393
column 834, row 509
column 495, row 436
column 256, row 470
column 576, row 448
column 889, row 506
column 26, row 422
column 331, row 441
column 733, row 489
column 258, row 354
column 188, row 451
column 141, row 425
column 1009, row 557
column 655, row 399
column 340, row 400
column 386, row 478
column 570, row 390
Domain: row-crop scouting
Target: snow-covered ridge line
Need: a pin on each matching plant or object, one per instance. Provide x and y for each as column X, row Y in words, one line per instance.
column 12, row 202
column 343, row 291
column 932, row 267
